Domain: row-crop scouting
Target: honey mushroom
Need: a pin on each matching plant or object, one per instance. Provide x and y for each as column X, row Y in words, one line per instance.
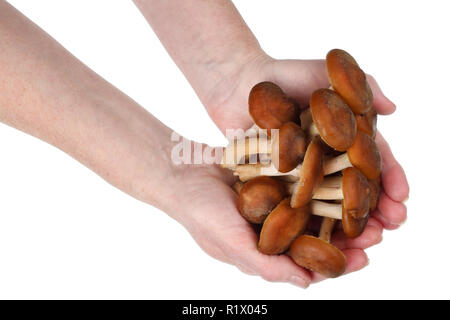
column 258, row 197
column 281, row 227
column 347, row 79
column 331, row 118
column 355, row 206
column 358, row 194
column 353, row 227
column 318, row 254
column 286, row 149
column 363, row 154
column 367, row 123
column 329, row 189
column 310, row 175
column 270, row 108
column 340, row 127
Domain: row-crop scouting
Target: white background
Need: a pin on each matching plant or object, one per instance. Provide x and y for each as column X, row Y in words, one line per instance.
column 65, row 233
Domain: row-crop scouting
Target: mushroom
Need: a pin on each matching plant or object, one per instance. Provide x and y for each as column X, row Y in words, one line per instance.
column 246, row 172
column 355, row 206
column 367, row 122
column 281, row 227
column 318, row 254
column 356, row 192
column 287, row 148
column 258, row 197
column 363, row 154
column 311, row 175
column 331, row 118
column 353, row 227
column 269, row 106
column 237, row 151
column 347, row 79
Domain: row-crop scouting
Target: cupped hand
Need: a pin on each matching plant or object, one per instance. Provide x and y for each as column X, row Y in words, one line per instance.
column 209, row 212
column 215, row 222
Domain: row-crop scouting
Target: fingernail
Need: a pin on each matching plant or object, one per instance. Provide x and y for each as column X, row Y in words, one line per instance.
column 299, row 282
column 406, row 200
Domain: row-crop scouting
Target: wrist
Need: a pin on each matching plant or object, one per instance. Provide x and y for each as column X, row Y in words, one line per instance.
column 227, row 101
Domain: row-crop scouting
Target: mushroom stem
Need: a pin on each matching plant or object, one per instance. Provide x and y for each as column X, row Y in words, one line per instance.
column 336, row 164
column 326, row 229
column 323, row 192
column 325, row 209
column 236, row 150
column 332, row 182
column 249, row 171
column 313, row 131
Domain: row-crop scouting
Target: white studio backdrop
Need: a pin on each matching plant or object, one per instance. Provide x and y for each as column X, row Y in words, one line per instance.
column 65, row 233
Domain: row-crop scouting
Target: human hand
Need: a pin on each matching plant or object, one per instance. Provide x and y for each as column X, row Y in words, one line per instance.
column 228, row 107
column 222, row 61
column 208, row 210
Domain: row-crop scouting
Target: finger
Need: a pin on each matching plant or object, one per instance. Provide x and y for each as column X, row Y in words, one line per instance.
column 393, row 212
column 381, row 104
column 276, row 268
column 280, row 269
column 386, row 224
column 393, row 177
column 371, row 236
column 356, row 260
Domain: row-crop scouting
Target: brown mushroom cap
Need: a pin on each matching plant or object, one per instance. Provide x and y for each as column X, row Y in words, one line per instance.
column 318, row 255
column 375, row 186
column 281, row 227
column 356, row 191
column 349, row 81
column 269, row 106
column 353, row 227
column 258, row 197
column 289, row 147
column 365, row 156
column 310, row 176
column 333, row 118
column 367, row 122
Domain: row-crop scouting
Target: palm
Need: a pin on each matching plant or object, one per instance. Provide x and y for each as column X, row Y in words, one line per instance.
column 223, row 233
column 220, row 230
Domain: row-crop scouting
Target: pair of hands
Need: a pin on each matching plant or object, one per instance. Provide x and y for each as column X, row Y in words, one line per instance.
column 211, row 214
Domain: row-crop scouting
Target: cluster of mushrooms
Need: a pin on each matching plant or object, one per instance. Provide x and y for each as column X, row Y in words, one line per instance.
column 322, row 161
